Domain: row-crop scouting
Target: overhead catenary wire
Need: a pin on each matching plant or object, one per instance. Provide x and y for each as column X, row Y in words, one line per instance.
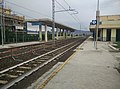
column 28, row 9
column 76, row 15
column 71, row 14
column 65, row 9
column 78, row 19
column 31, row 10
column 67, row 3
column 75, row 18
column 83, row 26
column 58, row 6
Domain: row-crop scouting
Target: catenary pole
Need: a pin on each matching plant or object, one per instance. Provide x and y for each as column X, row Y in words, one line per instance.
column 53, row 20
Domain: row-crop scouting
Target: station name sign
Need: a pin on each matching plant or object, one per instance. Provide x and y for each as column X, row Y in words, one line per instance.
column 94, row 22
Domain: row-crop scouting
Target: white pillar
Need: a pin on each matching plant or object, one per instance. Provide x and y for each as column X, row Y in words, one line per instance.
column 57, row 33
column 40, row 32
column 104, row 34
column 113, row 35
column 60, row 32
column 66, row 33
column 101, row 32
column 73, row 35
column 63, row 33
column 70, row 34
column 46, row 38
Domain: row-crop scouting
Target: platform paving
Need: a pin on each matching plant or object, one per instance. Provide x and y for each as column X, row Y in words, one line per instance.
column 88, row 69
column 19, row 44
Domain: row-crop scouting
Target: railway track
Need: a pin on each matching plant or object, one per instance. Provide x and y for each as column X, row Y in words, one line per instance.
column 14, row 74
column 15, row 56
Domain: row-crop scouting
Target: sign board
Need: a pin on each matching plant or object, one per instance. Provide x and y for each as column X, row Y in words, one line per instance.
column 19, row 27
column 94, row 22
column 32, row 29
column 32, row 32
column 36, row 23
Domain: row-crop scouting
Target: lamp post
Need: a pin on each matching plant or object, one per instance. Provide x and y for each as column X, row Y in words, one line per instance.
column 97, row 25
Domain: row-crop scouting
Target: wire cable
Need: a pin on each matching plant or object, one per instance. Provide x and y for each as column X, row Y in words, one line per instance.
column 77, row 18
column 67, row 3
column 27, row 9
column 67, row 11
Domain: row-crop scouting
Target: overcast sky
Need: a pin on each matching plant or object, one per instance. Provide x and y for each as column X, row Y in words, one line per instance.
column 86, row 9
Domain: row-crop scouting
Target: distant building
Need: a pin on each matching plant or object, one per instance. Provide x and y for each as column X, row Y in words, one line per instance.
column 12, row 20
column 6, row 11
column 13, row 24
column 109, row 28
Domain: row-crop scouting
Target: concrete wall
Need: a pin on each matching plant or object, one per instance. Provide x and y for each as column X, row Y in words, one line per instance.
column 109, row 17
column 113, row 35
column 6, row 11
column 108, row 22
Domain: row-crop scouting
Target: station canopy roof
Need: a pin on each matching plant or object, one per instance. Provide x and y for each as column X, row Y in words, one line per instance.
column 49, row 23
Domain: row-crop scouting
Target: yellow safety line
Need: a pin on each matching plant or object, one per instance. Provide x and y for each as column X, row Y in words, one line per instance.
column 54, row 73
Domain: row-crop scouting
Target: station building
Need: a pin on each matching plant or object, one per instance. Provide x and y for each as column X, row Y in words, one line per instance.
column 109, row 28
column 12, row 24
column 18, row 29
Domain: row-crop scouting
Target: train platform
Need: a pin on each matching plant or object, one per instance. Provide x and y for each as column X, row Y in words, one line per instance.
column 12, row 45
column 87, row 68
